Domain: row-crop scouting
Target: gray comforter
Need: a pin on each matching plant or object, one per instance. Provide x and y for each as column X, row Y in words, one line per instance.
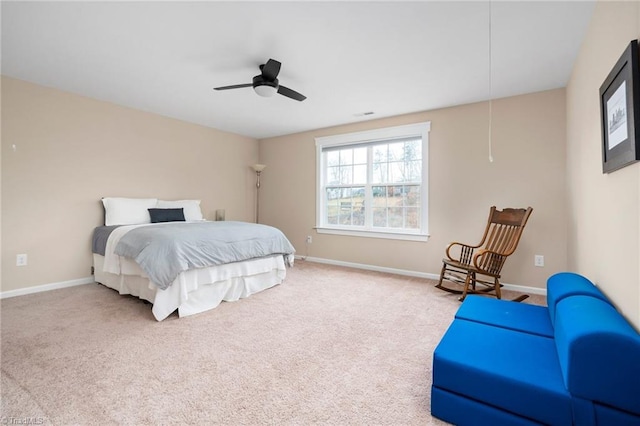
column 100, row 238
column 164, row 251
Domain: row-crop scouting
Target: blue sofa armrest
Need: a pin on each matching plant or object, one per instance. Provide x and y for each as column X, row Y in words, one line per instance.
column 599, row 353
column 566, row 284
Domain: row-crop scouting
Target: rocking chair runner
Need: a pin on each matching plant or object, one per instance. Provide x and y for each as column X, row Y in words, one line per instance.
column 499, row 241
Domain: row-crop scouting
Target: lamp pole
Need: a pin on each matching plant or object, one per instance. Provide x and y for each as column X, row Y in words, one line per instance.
column 258, row 168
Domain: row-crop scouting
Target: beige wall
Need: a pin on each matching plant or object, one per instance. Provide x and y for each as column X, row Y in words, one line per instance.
column 71, row 151
column 604, row 209
column 529, row 170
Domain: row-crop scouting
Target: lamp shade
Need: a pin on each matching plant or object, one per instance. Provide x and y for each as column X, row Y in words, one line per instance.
column 265, row 90
column 259, row 167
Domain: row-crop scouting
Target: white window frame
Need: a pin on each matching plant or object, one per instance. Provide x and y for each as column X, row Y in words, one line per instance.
column 371, row 136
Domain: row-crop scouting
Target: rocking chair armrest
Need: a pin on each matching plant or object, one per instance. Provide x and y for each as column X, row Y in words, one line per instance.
column 489, row 261
column 463, row 246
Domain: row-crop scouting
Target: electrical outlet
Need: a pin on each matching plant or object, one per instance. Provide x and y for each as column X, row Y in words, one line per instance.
column 538, row 260
column 309, row 239
column 21, row 260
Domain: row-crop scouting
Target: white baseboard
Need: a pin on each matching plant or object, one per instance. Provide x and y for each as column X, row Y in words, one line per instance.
column 514, row 287
column 91, row 279
column 46, row 287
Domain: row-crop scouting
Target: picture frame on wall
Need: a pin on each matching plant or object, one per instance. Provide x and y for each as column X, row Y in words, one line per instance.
column 620, row 112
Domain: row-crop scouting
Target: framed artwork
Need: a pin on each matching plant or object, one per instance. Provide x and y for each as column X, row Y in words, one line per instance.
column 620, row 112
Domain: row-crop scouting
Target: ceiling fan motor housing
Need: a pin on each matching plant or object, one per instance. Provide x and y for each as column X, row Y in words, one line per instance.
column 265, row 88
column 258, row 80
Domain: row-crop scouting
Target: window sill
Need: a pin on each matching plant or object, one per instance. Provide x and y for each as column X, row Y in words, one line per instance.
column 374, row 234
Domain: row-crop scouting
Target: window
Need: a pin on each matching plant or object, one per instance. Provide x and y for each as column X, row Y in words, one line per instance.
column 374, row 183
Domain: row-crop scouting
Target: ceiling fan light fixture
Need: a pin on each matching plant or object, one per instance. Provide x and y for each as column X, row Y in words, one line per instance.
column 266, row 90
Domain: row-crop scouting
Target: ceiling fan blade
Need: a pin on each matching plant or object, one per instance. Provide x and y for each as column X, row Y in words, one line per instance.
column 271, row 70
column 285, row 91
column 235, row 86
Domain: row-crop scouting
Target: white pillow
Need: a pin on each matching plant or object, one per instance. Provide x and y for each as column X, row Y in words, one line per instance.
column 191, row 208
column 127, row 211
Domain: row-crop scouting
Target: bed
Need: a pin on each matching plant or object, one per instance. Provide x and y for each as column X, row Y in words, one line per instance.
column 174, row 259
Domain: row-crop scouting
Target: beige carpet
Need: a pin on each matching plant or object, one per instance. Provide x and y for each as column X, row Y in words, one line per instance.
column 330, row 346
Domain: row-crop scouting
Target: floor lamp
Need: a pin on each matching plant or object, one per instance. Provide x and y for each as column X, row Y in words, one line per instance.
column 258, row 168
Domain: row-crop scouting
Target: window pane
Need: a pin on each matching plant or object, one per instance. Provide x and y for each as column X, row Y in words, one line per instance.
column 346, row 157
column 333, row 193
column 333, row 158
column 395, row 217
column 332, row 205
column 380, row 154
column 413, row 150
column 357, row 192
column 395, row 196
column 333, row 175
column 412, row 195
column 360, row 155
column 359, row 212
column 360, row 174
column 332, row 218
column 345, row 214
column 396, row 151
column 345, row 194
column 344, row 210
column 413, row 171
column 396, row 172
column 379, row 172
column 346, row 175
column 411, row 219
column 379, row 217
column 379, row 196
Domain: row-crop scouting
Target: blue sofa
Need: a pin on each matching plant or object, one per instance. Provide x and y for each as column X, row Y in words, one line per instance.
column 574, row 362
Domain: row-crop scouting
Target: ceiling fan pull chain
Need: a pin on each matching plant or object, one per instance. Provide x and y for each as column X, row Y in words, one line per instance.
column 490, row 95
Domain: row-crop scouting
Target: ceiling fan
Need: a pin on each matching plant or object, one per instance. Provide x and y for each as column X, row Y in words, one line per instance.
column 266, row 83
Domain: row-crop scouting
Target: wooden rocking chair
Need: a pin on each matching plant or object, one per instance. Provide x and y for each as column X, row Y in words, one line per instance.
column 485, row 259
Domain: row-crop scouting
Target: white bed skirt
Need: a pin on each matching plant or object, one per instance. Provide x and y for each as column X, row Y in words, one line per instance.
column 196, row 290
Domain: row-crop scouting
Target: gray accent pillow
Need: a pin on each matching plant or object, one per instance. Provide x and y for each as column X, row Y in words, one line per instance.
column 166, row 215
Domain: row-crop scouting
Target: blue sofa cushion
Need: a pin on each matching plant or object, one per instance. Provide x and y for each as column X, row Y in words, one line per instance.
column 599, row 353
column 516, row 372
column 462, row 411
column 506, row 314
column 565, row 284
column 610, row 416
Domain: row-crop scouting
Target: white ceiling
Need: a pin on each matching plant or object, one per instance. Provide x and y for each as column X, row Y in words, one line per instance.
column 346, row 57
